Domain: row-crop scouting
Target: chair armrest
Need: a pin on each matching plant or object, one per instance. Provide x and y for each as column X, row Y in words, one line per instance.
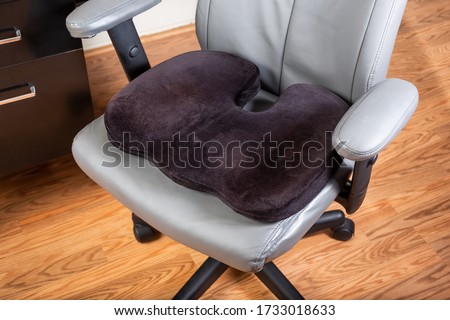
column 375, row 119
column 95, row 16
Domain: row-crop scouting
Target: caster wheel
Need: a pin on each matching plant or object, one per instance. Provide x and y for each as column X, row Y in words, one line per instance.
column 345, row 231
column 143, row 232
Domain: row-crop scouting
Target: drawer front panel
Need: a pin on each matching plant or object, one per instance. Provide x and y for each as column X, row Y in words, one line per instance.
column 41, row 24
column 40, row 125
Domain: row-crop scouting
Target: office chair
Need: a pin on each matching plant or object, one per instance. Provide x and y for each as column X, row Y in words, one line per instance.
column 343, row 46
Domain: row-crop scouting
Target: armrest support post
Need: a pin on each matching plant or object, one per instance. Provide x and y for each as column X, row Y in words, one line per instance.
column 352, row 197
column 367, row 128
column 129, row 49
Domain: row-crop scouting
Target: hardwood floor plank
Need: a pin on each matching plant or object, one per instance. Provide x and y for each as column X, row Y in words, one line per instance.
column 431, row 283
column 357, row 285
column 442, row 248
column 9, row 229
column 157, row 281
column 35, row 273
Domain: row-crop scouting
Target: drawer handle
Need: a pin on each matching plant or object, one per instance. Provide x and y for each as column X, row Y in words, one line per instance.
column 20, row 97
column 18, row 36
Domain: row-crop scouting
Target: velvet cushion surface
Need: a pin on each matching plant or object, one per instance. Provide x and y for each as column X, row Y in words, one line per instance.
column 185, row 115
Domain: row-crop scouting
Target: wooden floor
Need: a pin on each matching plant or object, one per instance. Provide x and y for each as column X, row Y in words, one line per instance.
column 63, row 237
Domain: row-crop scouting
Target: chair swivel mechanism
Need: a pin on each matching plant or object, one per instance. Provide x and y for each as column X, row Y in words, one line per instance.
column 343, row 46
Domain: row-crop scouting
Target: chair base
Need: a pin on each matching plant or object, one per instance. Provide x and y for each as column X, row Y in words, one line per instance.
column 277, row 283
column 343, row 229
column 212, row 269
column 202, row 279
column 143, row 232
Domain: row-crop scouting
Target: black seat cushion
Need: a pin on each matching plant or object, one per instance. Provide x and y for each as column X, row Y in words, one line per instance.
column 186, row 116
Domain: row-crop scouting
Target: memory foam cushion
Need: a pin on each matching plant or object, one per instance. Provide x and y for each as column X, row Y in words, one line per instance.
column 186, row 116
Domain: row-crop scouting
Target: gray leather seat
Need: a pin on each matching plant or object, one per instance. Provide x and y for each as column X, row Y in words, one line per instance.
column 342, row 45
column 209, row 226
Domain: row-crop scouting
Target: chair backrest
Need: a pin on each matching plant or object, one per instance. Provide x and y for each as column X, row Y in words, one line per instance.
column 342, row 45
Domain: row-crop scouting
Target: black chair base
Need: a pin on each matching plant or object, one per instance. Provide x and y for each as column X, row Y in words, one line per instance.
column 277, row 283
column 202, row 279
column 143, row 232
column 343, row 229
column 212, row 269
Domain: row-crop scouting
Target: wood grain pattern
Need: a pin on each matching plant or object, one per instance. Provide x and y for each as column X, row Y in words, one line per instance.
column 63, row 237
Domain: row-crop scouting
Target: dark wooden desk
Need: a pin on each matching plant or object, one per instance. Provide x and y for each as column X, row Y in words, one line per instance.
column 44, row 89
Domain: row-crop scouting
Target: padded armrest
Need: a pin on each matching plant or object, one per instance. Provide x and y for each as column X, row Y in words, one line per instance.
column 375, row 119
column 95, row 16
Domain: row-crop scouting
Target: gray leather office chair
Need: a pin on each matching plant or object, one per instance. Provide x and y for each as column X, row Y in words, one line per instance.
column 342, row 45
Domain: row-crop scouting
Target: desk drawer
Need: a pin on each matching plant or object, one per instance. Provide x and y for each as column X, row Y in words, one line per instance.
column 32, row 29
column 37, row 126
